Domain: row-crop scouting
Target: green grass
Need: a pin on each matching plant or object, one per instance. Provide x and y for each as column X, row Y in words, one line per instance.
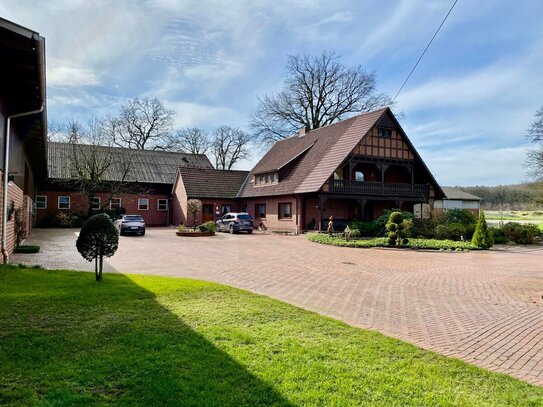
column 155, row 341
column 431, row 244
column 531, row 216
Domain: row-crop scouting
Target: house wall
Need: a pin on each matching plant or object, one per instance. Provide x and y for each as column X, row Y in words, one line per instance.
column 179, row 203
column 441, row 205
column 79, row 207
column 15, row 195
column 272, row 221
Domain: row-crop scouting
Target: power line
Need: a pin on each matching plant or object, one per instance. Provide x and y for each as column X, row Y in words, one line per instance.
column 424, row 52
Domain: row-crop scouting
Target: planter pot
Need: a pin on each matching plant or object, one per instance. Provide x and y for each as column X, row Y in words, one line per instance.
column 195, row 234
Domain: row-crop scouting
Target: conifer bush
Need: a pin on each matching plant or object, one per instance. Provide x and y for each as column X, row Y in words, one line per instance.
column 397, row 228
column 97, row 239
column 482, row 237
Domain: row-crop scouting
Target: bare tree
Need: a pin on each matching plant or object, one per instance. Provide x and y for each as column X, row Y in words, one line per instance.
column 318, row 91
column 534, row 134
column 230, row 145
column 93, row 166
column 189, row 140
column 142, row 124
column 64, row 132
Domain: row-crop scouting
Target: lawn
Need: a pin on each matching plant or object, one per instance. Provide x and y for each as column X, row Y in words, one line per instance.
column 532, row 216
column 144, row 340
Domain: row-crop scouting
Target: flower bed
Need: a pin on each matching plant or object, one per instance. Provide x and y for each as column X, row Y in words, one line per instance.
column 430, row 244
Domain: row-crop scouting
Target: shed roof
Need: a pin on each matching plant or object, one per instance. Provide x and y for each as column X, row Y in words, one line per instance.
column 212, row 183
column 148, row 166
column 454, row 193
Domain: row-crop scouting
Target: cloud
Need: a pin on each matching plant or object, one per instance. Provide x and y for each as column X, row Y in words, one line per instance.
column 208, row 117
column 66, row 76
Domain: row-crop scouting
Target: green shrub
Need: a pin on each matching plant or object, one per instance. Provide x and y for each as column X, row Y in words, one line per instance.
column 462, row 216
column 450, row 231
column 97, row 239
column 208, row 227
column 429, row 244
column 424, row 228
column 366, row 229
column 67, row 219
column 26, row 249
column 381, row 221
column 397, row 227
column 498, row 235
column 521, row 233
column 482, row 237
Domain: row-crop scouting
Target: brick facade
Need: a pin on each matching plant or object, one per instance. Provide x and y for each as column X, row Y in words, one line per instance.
column 153, row 216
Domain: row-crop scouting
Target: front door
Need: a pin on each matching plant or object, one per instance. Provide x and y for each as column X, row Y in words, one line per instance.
column 207, row 212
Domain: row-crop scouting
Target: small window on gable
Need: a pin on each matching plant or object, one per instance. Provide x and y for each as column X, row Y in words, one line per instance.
column 143, row 204
column 63, row 202
column 95, row 203
column 384, row 133
column 115, row 203
column 162, row 204
column 359, row 176
column 41, row 202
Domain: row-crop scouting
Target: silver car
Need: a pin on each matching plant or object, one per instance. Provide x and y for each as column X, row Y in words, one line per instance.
column 131, row 224
column 234, row 222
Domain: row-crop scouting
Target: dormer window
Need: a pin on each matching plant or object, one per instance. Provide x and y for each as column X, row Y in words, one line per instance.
column 266, row 179
column 384, row 133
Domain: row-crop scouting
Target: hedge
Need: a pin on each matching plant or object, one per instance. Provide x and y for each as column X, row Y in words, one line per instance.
column 431, row 244
column 26, row 249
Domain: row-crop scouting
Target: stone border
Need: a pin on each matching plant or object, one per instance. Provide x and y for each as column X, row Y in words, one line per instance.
column 195, row 234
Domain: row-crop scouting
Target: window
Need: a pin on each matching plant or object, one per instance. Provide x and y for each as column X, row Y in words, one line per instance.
column 266, row 179
column 285, row 210
column 95, row 203
column 115, row 203
column 359, row 176
column 41, row 202
column 338, row 174
column 226, row 209
column 143, row 204
column 260, row 211
column 162, row 204
column 384, row 133
column 63, row 202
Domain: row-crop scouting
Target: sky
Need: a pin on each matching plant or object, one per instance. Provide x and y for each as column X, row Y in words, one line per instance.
column 466, row 108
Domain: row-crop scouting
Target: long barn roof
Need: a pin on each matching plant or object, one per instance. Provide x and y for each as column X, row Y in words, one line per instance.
column 147, row 166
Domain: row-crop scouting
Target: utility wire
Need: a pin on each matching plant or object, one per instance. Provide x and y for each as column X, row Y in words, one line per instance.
column 425, row 49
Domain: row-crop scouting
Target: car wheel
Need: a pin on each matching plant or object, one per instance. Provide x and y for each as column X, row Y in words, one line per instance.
column 250, row 231
column 121, row 232
column 143, row 233
column 231, row 229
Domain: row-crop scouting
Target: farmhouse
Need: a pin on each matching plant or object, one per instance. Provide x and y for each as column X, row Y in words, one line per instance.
column 22, row 127
column 354, row 169
column 136, row 181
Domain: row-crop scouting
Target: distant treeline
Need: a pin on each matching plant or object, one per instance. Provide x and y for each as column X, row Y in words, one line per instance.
column 518, row 197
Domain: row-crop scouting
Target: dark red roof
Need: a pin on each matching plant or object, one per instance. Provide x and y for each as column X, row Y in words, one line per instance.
column 211, row 183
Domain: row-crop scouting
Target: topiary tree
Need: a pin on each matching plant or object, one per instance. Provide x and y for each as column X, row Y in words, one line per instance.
column 97, row 239
column 482, row 237
column 397, row 228
column 194, row 206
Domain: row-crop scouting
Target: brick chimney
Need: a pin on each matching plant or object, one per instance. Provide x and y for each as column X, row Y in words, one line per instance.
column 303, row 131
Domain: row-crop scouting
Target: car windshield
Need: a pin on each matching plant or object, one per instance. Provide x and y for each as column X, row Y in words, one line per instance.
column 135, row 218
column 244, row 216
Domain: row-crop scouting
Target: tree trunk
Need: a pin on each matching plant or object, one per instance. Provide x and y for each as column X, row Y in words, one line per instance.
column 96, row 269
column 101, row 266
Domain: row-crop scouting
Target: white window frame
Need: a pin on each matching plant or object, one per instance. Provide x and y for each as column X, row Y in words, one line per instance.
column 158, row 205
column 93, row 203
column 69, row 201
column 139, row 204
column 111, row 202
column 44, row 202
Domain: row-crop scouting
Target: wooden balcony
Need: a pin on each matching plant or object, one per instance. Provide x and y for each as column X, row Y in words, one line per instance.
column 378, row 188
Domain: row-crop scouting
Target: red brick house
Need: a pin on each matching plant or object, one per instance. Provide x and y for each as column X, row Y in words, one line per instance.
column 354, row 169
column 147, row 177
column 23, row 163
column 218, row 191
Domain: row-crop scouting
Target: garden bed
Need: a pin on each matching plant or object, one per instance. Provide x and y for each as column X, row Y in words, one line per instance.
column 429, row 244
column 195, row 233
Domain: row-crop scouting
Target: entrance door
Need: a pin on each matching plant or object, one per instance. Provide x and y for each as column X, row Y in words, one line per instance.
column 207, row 212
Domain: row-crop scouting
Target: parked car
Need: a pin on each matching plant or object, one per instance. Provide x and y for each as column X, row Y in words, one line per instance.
column 130, row 224
column 234, row 222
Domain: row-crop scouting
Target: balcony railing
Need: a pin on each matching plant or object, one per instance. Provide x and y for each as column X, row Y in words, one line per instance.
column 377, row 188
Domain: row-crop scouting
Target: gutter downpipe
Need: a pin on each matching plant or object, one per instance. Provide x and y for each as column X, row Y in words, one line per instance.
column 5, row 254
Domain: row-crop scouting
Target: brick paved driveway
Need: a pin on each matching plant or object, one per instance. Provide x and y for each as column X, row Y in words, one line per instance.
column 476, row 306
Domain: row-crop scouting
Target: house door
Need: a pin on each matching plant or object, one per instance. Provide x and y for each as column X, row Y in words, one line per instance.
column 207, row 212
